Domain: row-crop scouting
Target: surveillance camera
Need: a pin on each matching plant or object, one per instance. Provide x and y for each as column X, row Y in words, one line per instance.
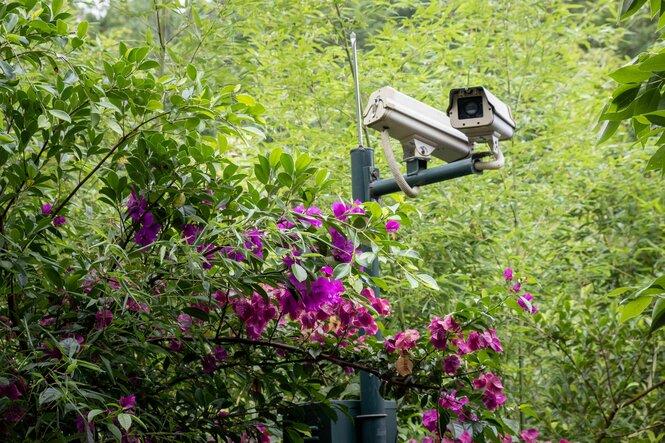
column 421, row 129
column 480, row 115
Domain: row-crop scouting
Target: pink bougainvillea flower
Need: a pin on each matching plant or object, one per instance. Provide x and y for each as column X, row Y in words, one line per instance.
column 10, row 391
column 448, row 400
column 127, row 402
column 508, row 274
column 451, row 364
column 392, row 226
column 232, row 254
column 47, row 209
column 148, row 231
column 529, row 435
column 184, row 322
column 176, row 345
column 521, row 301
column 135, row 306
column 506, row 439
column 253, row 242
column 311, row 211
column 59, row 221
column 209, row 363
column 438, row 329
column 14, row 413
column 190, row 233
column 389, row 345
column 343, row 248
column 516, row 287
column 407, row 339
column 465, row 437
column 430, row 419
column 341, row 211
column 492, row 388
column 136, row 206
column 103, row 319
column 493, row 400
column 81, row 423
column 220, row 353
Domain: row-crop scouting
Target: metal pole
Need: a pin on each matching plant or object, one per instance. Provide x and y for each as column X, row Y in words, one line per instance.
column 356, row 83
column 372, row 418
column 452, row 170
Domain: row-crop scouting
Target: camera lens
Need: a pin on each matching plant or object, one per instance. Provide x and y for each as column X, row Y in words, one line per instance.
column 470, row 107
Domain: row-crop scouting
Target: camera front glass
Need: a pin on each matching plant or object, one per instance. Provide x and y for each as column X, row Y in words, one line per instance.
column 469, row 107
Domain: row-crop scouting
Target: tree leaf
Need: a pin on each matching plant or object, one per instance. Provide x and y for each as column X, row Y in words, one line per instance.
column 49, row 395
column 341, row 271
column 429, row 281
column 658, row 316
column 299, row 272
column 630, row 74
column 657, row 161
column 635, row 308
column 62, row 115
column 125, row 421
column 82, row 29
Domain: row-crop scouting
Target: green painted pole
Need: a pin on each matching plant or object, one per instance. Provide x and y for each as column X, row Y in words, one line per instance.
column 423, row 177
column 372, row 419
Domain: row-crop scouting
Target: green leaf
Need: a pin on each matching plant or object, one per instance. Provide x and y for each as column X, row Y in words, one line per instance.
column 275, row 156
column 115, row 431
column 125, row 421
column 366, row 259
column 82, row 29
column 618, row 291
column 56, row 5
column 299, row 272
column 246, row 99
column 341, row 271
column 43, row 122
column 192, row 73
column 62, row 115
column 148, row 64
column 658, row 316
column 49, row 395
column 635, row 308
column 630, row 74
column 429, row 281
column 528, row 410
column 657, row 161
column 94, row 413
column 302, row 162
column 412, row 281
column 287, row 163
column 630, row 7
column 655, row 62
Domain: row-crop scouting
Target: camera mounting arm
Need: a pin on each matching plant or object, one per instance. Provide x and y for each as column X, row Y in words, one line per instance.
column 495, row 150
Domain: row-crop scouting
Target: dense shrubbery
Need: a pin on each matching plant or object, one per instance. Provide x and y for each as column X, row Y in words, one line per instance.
column 153, row 291
column 157, row 283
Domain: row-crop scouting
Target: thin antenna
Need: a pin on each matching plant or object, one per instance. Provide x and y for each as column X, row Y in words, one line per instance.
column 357, row 85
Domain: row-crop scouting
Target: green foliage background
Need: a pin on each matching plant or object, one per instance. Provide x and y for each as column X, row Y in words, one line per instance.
column 580, row 218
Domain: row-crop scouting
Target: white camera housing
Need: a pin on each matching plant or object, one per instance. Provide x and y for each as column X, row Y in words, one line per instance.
column 421, row 129
column 480, row 115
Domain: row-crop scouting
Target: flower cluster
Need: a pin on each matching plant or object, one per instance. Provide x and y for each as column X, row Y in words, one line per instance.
column 524, row 300
column 147, row 227
column 492, row 389
column 439, row 329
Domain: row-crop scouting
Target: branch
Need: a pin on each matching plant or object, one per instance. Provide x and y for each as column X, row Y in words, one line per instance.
column 115, row 147
column 336, row 360
column 642, row 394
column 628, row 402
